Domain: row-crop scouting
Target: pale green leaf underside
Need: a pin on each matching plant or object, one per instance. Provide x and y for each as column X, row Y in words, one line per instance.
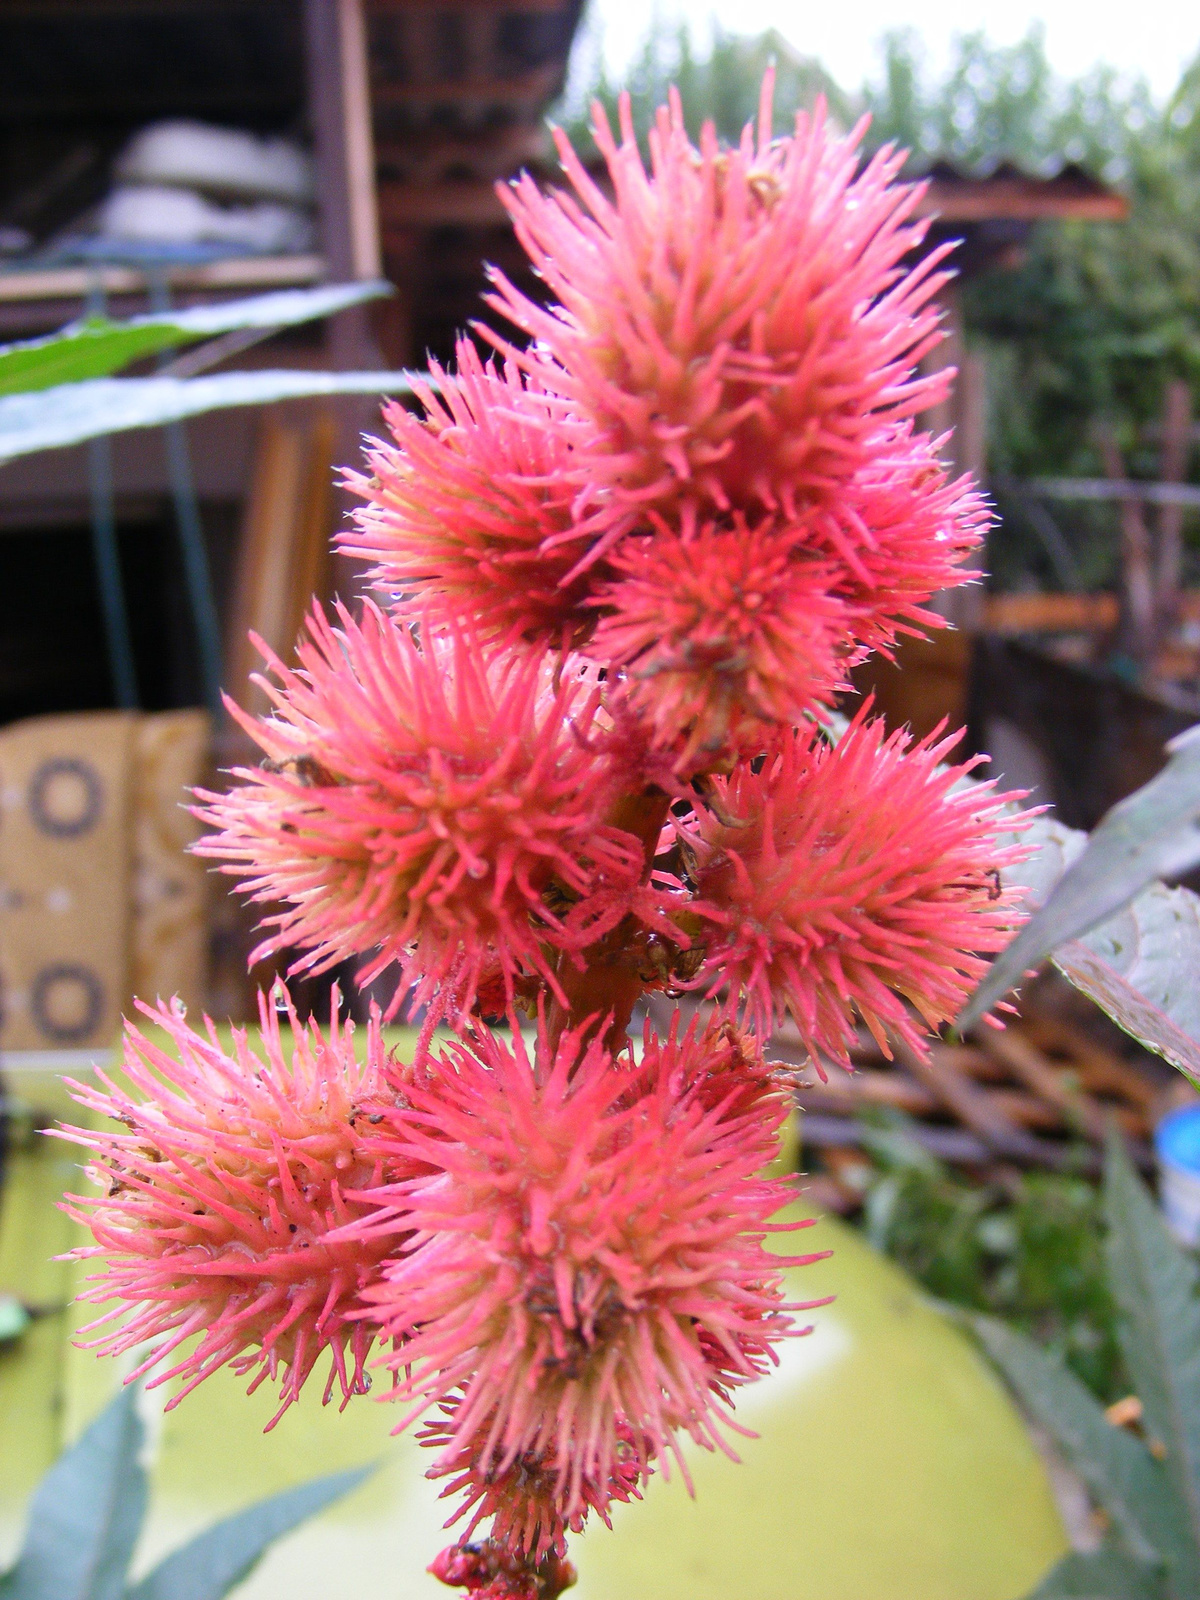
column 222, row 1556
column 53, row 418
column 1143, row 968
column 1154, row 1284
column 86, row 1514
column 1118, row 1470
column 1151, row 834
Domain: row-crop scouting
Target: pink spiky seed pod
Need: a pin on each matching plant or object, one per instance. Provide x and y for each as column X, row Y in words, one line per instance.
column 436, row 802
column 586, row 1268
column 902, row 531
column 525, row 1500
column 471, row 510
column 721, row 637
column 220, row 1197
column 859, row 878
column 737, row 322
column 491, row 1571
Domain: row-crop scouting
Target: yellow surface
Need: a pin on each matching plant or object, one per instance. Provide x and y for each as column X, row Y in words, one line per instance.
column 890, row 1463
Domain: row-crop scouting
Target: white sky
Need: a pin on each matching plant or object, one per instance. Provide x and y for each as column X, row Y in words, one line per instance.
column 1152, row 38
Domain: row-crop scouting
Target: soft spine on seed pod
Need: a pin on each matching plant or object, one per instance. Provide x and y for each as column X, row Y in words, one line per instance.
column 578, row 750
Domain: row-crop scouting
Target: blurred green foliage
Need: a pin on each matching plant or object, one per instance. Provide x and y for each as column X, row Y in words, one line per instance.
column 718, row 83
column 1032, row 1253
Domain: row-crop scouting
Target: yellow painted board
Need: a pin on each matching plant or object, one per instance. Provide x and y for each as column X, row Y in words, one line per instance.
column 32, row 1372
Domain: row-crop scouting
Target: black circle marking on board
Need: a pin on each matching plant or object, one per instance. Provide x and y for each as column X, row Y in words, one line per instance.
column 42, row 997
column 65, row 827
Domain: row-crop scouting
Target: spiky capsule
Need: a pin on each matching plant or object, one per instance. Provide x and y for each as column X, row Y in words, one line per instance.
column 436, row 803
column 470, row 509
column 586, row 1277
column 738, row 323
column 220, row 1197
column 721, row 636
column 853, row 880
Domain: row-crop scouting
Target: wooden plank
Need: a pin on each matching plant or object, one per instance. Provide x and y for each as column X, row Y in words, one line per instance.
column 1049, row 613
column 423, row 157
column 925, row 683
column 848, row 1092
column 532, row 88
column 464, row 204
column 1100, row 1070
column 340, row 104
column 1019, row 198
column 239, row 272
column 897, row 1090
column 1027, row 1062
column 948, row 1144
column 283, row 556
column 975, row 1108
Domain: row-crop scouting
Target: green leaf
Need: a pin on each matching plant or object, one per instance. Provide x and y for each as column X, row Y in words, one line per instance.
column 1106, row 1575
column 97, row 346
column 1151, row 834
column 1118, row 1470
column 74, row 412
column 223, row 1555
column 1154, row 1285
column 86, row 1514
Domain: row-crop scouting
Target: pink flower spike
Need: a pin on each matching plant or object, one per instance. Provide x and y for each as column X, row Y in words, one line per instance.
column 864, row 881
column 436, row 802
column 737, row 323
column 219, row 1201
column 587, row 1276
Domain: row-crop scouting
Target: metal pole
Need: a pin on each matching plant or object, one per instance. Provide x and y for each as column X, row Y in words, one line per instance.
column 106, row 554
column 197, row 573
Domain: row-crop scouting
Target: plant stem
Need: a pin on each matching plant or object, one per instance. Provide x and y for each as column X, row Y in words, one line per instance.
column 610, row 983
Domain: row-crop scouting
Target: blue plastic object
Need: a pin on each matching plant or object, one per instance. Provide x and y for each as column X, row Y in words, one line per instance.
column 1177, row 1139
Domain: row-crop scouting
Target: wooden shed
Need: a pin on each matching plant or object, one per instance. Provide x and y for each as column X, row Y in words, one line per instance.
column 223, row 526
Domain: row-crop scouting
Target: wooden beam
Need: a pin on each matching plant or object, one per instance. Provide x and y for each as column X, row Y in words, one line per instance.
column 482, row 7
column 250, row 272
column 340, row 108
column 535, row 87
column 439, row 205
column 1049, row 613
column 428, row 156
column 335, row 37
column 1018, row 202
